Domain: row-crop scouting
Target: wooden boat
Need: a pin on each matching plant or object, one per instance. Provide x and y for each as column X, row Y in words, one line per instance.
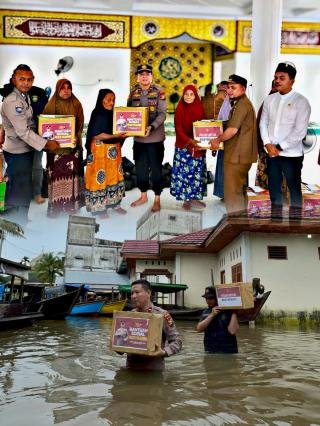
column 88, row 308
column 185, row 314
column 247, row 315
column 244, row 315
column 15, row 301
column 108, row 308
column 58, row 306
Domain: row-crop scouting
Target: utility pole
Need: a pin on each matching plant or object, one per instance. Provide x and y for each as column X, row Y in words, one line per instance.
column 1, row 241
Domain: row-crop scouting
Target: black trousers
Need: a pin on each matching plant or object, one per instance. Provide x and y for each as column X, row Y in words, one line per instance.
column 148, row 159
column 290, row 167
column 19, row 186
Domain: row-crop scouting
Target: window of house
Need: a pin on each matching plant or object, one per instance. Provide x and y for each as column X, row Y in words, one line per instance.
column 277, row 252
column 222, row 277
column 236, row 272
column 319, row 252
column 173, row 218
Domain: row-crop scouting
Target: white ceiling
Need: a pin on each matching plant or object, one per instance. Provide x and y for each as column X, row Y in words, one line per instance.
column 293, row 10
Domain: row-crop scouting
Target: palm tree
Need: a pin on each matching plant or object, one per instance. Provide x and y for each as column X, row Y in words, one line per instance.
column 48, row 266
column 10, row 228
column 25, row 260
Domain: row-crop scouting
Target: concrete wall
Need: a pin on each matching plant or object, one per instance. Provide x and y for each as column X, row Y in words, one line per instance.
column 93, row 69
column 295, row 282
column 168, row 223
column 195, row 271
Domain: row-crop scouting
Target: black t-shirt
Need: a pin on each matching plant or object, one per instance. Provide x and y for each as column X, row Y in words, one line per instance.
column 216, row 336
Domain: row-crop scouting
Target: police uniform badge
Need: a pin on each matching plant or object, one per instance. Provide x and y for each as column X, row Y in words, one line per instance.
column 162, row 94
column 152, row 108
column 19, row 109
column 169, row 319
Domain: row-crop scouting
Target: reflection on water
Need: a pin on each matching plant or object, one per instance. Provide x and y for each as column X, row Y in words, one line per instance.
column 63, row 372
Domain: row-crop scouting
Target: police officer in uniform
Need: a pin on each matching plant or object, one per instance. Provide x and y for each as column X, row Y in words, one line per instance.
column 148, row 150
column 38, row 100
column 20, row 142
column 171, row 341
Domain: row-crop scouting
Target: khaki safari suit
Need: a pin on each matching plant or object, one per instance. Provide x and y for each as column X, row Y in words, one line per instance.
column 239, row 153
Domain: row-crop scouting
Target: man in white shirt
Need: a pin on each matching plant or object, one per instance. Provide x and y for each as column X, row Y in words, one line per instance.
column 283, row 126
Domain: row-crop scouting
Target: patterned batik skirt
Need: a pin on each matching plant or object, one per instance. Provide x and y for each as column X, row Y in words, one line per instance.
column 65, row 182
column 188, row 176
column 104, row 180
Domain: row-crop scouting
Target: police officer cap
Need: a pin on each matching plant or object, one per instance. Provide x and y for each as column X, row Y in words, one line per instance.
column 144, row 67
column 210, row 293
column 234, row 78
column 287, row 67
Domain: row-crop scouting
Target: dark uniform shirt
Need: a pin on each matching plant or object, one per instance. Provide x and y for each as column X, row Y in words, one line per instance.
column 171, row 344
column 216, row 336
column 155, row 99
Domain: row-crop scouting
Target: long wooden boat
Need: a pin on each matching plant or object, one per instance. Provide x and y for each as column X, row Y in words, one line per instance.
column 15, row 307
column 109, row 307
column 247, row 315
column 13, row 316
column 244, row 315
column 59, row 306
column 91, row 308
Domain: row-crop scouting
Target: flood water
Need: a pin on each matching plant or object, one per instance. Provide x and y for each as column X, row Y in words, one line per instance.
column 63, row 372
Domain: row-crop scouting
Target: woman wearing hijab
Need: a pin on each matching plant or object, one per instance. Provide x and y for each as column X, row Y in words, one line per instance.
column 65, row 166
column 105, row 186
column 189, row 171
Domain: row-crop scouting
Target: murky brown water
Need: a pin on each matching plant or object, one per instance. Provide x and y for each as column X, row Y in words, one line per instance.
column 64, row 373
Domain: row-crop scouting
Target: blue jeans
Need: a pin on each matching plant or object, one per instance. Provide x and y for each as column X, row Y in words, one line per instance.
column 290, row 168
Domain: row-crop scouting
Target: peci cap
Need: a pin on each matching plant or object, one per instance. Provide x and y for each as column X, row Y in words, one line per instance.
column 210, row 293
column 144, row 67
column 234, row 78
column 287, row 67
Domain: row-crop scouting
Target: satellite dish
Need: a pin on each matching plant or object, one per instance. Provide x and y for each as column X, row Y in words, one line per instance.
column 64, row 65
column 310, row 141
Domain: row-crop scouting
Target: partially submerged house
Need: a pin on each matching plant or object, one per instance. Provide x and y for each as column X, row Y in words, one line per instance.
column 284, row 255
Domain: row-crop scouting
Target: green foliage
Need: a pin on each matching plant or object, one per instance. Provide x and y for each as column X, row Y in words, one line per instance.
column 48, row 266
column 11, row 228
column 289, row 319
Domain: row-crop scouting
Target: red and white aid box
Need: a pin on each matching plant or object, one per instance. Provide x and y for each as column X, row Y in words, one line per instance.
column 205, row 130
column 131, row 120
column 58, row 127
column 136, row 332
column 235, row 296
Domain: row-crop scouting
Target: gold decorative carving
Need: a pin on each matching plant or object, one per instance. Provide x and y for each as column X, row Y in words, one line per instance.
column 296, row 37
column 53, row 28
column 145, row 28
column 175, row 65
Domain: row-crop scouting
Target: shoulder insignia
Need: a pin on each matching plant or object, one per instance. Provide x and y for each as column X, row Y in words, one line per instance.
column 168, row 318
column 162, row 94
